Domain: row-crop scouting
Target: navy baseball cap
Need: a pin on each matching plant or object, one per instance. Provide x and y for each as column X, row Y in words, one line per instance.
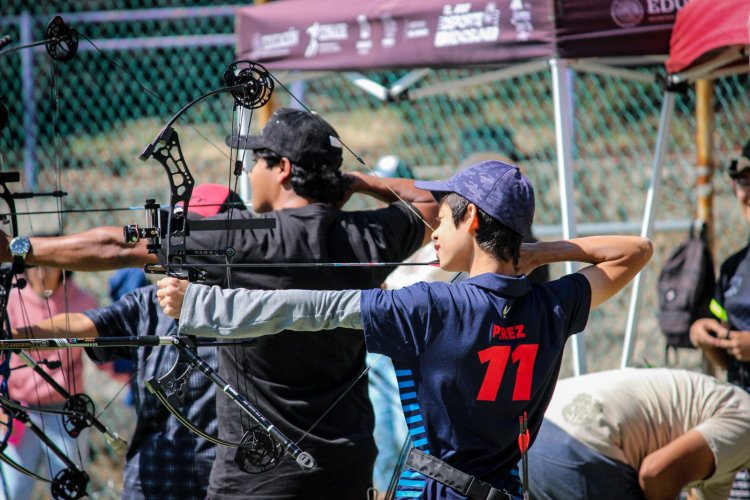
column 739, row 165
column 306, row 139
column 499, row 189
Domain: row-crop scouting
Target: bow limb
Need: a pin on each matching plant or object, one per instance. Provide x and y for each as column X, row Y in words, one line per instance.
column 255, row 450
column 69, row 483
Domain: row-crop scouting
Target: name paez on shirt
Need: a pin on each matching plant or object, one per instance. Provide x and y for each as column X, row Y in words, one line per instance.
column 513, row 332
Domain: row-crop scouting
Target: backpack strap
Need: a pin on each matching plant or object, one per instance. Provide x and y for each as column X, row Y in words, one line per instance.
column 448, row 475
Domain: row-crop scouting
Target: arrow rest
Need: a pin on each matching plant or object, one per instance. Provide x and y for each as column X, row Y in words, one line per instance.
column 254, row 85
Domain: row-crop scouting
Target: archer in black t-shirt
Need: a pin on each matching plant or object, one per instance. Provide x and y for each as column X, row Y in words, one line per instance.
column 296, row 378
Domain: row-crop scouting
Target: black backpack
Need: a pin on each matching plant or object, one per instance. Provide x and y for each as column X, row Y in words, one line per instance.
column 686, row 285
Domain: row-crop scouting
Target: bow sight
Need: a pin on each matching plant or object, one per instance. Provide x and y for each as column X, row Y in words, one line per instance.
column 251, row 87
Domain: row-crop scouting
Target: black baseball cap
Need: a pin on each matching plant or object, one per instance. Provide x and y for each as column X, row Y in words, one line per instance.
column 739, row 165
column 303, row 137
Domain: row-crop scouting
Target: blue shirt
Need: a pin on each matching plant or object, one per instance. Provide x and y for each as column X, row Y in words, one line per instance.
column 479, row 353
column 165, row 460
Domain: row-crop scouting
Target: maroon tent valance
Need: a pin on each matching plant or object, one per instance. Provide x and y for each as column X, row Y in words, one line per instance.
column 369, row 34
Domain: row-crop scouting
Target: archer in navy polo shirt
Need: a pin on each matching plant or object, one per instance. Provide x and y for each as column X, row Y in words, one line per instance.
column 481, row 352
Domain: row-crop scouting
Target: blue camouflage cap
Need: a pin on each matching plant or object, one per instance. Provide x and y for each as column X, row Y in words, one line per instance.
column 499, row 189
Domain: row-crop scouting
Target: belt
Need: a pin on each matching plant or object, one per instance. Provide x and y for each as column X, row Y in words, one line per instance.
column 467, row 485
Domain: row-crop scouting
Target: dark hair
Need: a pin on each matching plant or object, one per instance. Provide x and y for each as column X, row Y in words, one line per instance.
column 320, row 182
column 492, row 236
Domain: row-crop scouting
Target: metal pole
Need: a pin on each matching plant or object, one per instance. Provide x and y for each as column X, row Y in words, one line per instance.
column 29, row 105
column 667, row 108
column 704, row 114
column 704, row 118
column 563, row 140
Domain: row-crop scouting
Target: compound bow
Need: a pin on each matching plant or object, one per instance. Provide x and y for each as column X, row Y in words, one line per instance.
column 78, row 411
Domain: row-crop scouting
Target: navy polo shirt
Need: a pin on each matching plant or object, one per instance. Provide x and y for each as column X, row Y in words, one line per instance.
column 471, row 358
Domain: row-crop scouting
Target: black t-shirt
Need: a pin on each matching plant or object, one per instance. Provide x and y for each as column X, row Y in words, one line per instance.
column 293, row 377
column 733, row 294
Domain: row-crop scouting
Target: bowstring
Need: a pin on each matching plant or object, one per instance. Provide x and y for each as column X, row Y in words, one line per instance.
column 150, row 92
column 246, row 383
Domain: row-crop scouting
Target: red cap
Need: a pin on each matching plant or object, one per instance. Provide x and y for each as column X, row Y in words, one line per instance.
column 207, row 199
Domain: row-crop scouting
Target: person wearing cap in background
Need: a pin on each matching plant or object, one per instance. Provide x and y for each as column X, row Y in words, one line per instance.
column 296, row 180
column 725, row 337
column 472, row 357
column 165, row 460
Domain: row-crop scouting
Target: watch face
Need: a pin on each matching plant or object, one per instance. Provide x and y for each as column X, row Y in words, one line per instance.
column 20, row 246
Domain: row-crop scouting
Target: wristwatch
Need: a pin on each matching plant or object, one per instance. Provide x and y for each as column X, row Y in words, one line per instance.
column 20, row 246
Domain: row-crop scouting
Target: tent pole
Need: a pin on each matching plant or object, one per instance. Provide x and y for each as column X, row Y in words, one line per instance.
column 667, row 108
column 704, row 119
column 563, row 143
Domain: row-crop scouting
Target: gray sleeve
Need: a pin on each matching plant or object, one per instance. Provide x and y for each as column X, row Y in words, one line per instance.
column 211, row 311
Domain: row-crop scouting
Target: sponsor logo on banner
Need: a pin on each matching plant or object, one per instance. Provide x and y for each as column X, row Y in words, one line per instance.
column 460, row 25
column 663, row 10
column 417, row 29
column 630, row 13
column 276, row 43
column 627, row 13
column 661, row 7
column 390, row 30
column 364, row 44
column 325, row 38
column 520, row 17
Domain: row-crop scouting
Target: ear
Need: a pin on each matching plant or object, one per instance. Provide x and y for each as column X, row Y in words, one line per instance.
column 472, row 219
column 285, row 169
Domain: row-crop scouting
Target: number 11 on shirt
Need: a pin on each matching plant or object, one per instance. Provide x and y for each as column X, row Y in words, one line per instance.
column 496, row 358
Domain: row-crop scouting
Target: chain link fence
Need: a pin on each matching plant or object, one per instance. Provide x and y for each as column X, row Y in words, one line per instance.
column 80, row 126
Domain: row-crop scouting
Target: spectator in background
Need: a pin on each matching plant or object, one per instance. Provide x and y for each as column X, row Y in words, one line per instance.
column 126, row 280
column 165, row 460
column 725, row 337
column 49, row 291
column 120, row 283
column 635, row 433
